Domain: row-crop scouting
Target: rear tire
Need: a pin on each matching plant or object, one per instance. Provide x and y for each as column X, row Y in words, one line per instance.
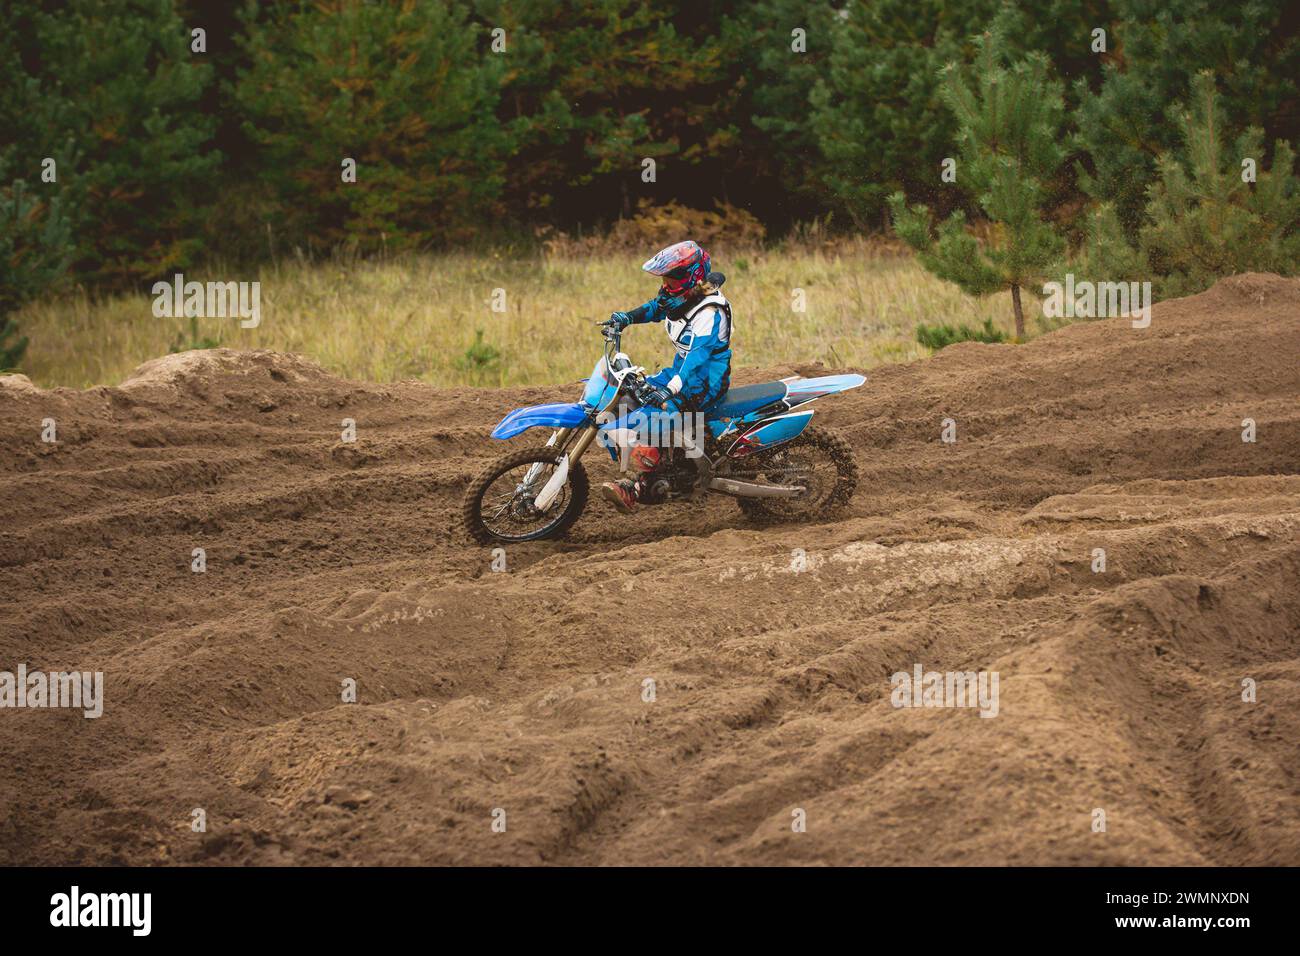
column 815, row 443
column 575, row 490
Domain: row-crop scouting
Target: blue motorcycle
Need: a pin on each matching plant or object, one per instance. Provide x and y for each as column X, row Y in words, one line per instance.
column 754, row 444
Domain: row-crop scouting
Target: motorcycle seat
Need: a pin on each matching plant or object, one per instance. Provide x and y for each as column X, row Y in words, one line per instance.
column 738, row 402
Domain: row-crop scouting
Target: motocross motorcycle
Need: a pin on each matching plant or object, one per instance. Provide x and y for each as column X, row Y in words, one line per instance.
column 756, row 446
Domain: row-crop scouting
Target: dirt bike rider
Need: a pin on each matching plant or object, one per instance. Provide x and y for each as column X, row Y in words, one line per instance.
column 697, row 318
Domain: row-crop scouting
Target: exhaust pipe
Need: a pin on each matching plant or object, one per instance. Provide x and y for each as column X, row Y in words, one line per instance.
column 746, row 489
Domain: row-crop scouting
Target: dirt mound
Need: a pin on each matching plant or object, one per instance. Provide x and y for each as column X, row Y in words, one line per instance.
column 682, row 686
column 229, row 366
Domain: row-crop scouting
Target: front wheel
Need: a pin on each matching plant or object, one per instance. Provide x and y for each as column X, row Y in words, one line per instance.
column 820, row 461
column 500, row 504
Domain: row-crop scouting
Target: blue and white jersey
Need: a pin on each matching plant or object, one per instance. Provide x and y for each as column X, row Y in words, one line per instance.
column 701, row 336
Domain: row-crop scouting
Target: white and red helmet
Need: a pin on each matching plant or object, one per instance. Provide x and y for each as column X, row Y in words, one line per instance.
column 682, row 266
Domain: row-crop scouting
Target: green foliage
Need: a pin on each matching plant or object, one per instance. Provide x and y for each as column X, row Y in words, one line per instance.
column 879, row 119
column 108, row 91
column 479, row 359
column 1202, row 220
column 401, row 88
column 594, row 87
column 35, row 241
column 1106, row 253
column 1009, row 116
column 35, row 249
column 942, row 335
column 169, row 158
column 1157, row 48
column 778, row 96
column 12, row 345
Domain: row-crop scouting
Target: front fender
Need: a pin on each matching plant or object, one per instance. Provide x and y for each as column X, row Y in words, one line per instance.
column 559, row 415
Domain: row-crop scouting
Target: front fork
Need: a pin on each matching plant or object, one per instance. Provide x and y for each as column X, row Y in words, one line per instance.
column 559, row 438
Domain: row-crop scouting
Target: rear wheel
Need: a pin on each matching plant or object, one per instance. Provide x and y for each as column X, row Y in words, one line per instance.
column 818, row 460
column 500, row 504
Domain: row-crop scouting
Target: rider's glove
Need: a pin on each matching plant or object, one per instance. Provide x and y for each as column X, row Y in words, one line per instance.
column 620, row 320
column 654, row 396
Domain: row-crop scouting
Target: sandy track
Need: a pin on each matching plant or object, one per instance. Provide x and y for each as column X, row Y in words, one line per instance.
column 523, row 690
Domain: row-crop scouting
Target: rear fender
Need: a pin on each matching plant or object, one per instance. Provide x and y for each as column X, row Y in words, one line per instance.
column 560, row 415
column 801, row 390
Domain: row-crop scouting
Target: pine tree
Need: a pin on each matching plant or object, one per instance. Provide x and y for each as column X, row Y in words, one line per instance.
column 407, row 91
column 1156, row 48
column 595, row 87
column 35, row 248
column 1204, row 218
column 781, row 68
column 1206, row 221
column 877, row 113
column 110, row 92
column 1008, row 124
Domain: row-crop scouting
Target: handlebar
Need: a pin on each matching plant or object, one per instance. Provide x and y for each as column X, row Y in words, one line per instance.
column 612, row 332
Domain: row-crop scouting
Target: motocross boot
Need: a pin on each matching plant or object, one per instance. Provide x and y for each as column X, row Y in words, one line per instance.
column 621, row 494
column 625, row 494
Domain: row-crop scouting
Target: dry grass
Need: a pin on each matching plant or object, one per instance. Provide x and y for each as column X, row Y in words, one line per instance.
column 417, row 317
